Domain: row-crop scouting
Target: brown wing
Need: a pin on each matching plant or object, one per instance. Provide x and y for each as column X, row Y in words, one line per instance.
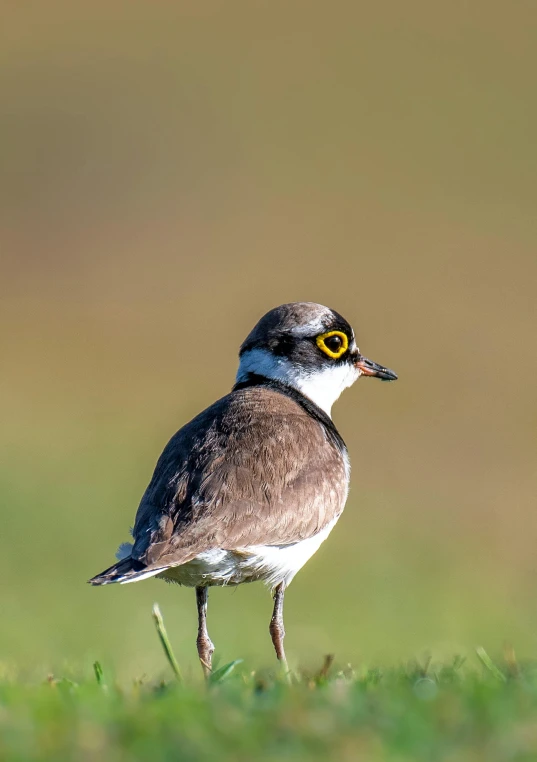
column 253, row 469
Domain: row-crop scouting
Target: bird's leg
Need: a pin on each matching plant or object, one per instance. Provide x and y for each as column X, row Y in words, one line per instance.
column 276, row 629
column 204, row 643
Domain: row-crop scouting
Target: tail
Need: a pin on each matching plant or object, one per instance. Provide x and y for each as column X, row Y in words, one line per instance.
column 125, row 570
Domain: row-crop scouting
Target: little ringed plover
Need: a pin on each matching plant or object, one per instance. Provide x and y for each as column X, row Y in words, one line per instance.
column 250, row 488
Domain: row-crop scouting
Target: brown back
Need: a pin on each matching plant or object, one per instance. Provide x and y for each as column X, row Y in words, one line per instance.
column 255, row 468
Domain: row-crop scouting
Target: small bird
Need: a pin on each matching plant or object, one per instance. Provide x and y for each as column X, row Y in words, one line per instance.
column 251, row 487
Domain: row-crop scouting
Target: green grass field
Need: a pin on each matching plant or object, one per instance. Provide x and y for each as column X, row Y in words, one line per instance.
column 453, row 711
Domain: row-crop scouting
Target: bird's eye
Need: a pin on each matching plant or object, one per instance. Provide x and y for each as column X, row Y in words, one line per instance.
column 334, row 343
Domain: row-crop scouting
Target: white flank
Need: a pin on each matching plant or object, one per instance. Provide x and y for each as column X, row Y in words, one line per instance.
column 322, row 386
column 271, row 564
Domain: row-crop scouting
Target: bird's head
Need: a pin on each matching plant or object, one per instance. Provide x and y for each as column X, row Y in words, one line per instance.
column 310, row 348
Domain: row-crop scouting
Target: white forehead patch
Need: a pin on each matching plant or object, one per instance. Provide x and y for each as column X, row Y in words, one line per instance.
column 314, row 327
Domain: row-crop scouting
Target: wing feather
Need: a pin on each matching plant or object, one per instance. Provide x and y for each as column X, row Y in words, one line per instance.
column 253, row 469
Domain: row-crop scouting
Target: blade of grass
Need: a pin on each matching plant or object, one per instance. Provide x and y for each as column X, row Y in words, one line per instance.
column 98, row 672
column 325, row 669
column 511, row 663
column 285, row 673
column 487, row 662
column 163, row 635
column 223, row 673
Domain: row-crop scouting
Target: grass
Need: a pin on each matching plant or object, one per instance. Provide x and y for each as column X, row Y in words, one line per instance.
column 420, row 711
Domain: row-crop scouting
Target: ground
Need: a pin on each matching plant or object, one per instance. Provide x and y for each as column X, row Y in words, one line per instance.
column 457, row 712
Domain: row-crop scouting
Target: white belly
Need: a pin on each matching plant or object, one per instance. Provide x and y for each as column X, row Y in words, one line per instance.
column 270, row 563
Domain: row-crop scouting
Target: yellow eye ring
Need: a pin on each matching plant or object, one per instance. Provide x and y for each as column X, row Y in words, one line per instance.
column 339, row 352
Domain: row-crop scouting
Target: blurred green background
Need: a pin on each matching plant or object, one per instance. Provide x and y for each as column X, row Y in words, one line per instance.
column 171, row 171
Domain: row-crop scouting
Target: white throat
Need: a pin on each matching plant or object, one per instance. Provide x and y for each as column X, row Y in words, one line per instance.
column 322, row 386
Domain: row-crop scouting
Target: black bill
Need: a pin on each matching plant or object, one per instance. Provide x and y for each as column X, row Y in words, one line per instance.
column 370, row 368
